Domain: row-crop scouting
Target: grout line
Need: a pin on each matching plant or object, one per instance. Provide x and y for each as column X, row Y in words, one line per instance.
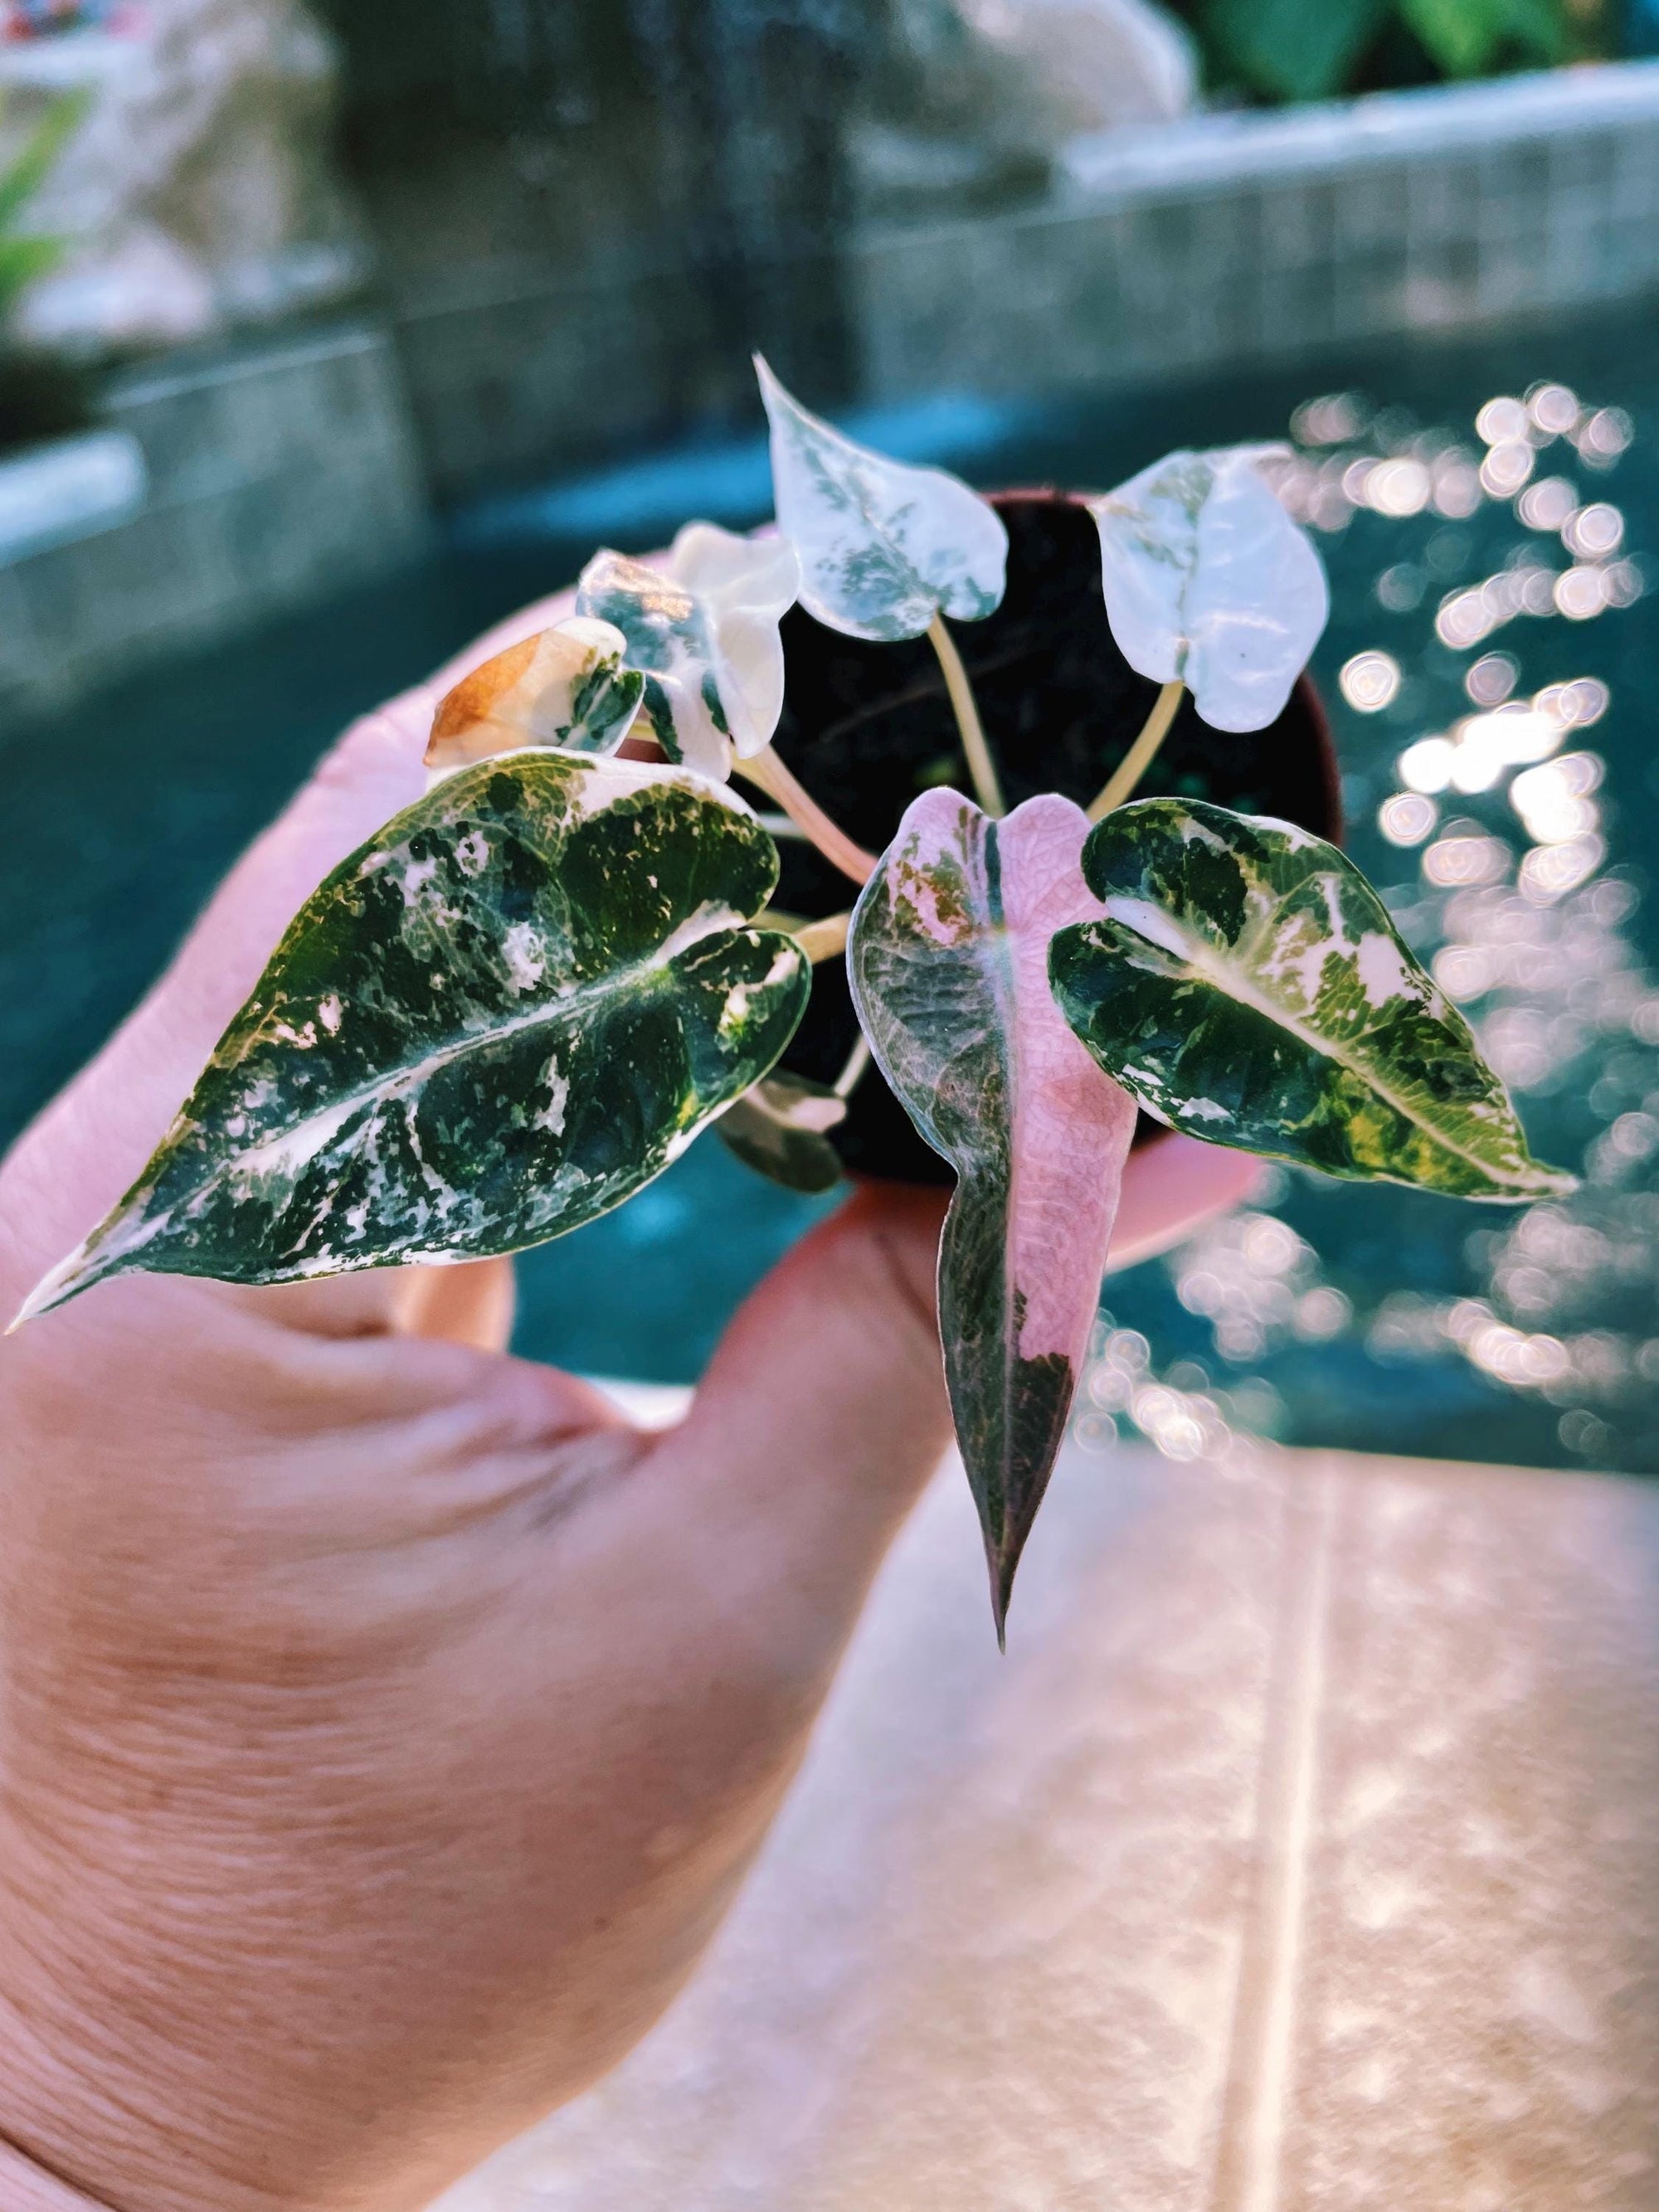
column 1261, row 2064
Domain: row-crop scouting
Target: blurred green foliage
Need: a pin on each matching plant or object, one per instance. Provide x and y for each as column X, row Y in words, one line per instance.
column 22, row 259
column 39, row 398
column 1315, row 49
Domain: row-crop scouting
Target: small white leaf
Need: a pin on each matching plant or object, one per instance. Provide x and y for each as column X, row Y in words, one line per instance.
column 883, row 547
column 703, row 629
column 1209, row 582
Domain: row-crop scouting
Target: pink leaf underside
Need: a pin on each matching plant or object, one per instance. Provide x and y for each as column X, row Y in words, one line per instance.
column 949, row 963
column 1072, row 1123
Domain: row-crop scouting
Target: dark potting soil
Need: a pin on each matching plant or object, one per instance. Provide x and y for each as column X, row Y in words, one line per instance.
column 868, row 727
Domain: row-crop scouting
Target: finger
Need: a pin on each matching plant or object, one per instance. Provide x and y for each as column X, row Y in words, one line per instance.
column 470, row 1305
column 471, row 1302
column 1172, row 1185
column 820, row 1418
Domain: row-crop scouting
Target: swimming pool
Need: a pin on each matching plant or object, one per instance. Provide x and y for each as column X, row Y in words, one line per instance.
column 1370, row 1317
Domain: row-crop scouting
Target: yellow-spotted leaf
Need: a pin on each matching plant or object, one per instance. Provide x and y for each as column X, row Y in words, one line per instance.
column 566, row 686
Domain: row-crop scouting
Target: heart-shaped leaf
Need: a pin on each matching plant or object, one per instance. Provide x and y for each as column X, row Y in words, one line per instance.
column 566, row 686
column 703, row 628
column 779, row 1129
column 948, row 959
column 883, row 547
column 1247, row 985
column 1209, row 582
column 498, row 1018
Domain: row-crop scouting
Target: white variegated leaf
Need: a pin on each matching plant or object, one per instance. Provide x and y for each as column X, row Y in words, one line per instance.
column 1209, row 582
column 497, row 1019
column 883, row 547
column 566, row 686
column 703, row 629
column 781, row 1129
column 1246, row 983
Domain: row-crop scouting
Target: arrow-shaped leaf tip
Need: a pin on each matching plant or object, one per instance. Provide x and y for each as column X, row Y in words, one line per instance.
column 1004, row 1564
column 56, row 1288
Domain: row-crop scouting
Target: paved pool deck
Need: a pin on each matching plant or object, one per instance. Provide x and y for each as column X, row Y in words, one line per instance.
column 1302, row 1856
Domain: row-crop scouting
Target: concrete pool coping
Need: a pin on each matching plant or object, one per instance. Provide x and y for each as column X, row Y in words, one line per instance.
column 1247, row 239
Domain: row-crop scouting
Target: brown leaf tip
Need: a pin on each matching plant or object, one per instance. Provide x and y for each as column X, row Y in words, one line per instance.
column 474, row 702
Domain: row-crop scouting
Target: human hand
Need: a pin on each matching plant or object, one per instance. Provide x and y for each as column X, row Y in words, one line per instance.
column 386, row 1724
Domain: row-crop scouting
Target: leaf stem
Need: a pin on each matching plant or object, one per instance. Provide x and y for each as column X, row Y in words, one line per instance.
column 1141, row 755
column 822, row 940
column 852, row 1074
column 980, row 766
column 767, row 771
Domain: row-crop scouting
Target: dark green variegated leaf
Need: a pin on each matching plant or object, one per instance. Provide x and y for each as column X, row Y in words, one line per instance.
column 702, row 627
column 883, row 547
column 948, row 961
column 778, row 1129
column 500, row 1017
column 566, row 687
column 1247, row 985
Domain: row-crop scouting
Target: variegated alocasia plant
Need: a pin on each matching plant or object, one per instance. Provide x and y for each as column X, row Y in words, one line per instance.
column 523, row 996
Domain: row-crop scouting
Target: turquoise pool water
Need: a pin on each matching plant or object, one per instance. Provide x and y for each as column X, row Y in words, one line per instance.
column 1372, row 1317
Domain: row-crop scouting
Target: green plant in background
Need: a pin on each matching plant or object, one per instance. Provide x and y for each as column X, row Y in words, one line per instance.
column 25, row 256
column 39, row 398
column 1313, row 49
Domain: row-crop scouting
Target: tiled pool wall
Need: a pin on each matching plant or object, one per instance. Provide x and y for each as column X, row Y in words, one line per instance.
column 1224, row 242
column 1256, row 240
column 276, row 473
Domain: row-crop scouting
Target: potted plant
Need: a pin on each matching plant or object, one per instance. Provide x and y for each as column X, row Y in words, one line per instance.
column 530, row 990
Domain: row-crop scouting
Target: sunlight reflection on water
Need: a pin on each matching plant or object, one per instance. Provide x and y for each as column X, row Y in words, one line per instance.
column 1489, row 824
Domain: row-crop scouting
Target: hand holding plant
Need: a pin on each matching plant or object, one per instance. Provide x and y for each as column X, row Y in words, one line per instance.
column 388, row 1722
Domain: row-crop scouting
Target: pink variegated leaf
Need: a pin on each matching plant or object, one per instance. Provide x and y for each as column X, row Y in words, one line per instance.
column 949, row 955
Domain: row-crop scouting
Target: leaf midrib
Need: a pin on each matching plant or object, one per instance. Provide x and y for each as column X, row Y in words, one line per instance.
column 680, row 940
column 994, row 956
column 1236, row 985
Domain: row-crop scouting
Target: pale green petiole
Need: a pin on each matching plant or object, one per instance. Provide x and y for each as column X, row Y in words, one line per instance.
column 980, row 766
column 1141, row 755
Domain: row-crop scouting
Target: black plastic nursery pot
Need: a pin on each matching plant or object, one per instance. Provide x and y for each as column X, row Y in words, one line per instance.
column 868, row 727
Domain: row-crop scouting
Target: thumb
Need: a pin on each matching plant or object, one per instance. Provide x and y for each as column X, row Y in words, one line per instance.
column 819, row 1420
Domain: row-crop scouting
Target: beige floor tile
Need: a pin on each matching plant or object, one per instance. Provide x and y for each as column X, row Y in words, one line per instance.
column 1302, row 1856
